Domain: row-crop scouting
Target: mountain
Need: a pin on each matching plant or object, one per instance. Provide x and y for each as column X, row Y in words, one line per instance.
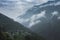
column 15, row 30
column 49, row 27
column 52, row 5
column 49, row 7
column 50, row 30
column 10, row 25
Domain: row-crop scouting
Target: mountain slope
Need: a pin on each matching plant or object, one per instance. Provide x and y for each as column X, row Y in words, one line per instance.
column 9, row 25
column 49, row 8
column 49, row 27
column 15, row 30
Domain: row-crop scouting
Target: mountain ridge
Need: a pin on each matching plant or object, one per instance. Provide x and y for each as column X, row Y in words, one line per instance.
column 49, row 25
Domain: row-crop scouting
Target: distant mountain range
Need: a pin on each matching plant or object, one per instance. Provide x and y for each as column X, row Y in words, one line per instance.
column 49, row 7
column 49, row 27
column 38, row 8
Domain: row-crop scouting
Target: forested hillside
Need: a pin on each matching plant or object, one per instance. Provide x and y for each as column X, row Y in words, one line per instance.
column 11, row 30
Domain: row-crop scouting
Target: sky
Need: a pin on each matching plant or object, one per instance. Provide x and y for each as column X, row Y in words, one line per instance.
column 15, row 8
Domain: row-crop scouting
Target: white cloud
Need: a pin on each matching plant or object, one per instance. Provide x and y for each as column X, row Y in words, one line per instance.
column 58, row 18
column 37, row 16
column 21, row 20
column 51, row 4
column 55, row 13
column 42, row 14
column 18, row 7
column 29, row 0
column 58, row 3
column 34, row 19
column 37, row 1
column 33, row 23
column 14, row 8
column 42, row 1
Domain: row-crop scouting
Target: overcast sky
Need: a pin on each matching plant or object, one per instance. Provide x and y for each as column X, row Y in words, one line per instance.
column 14, row 8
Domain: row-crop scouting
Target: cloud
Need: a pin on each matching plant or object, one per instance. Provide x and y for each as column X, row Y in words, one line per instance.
column 41, row 1
column 58, row 3
column 29, row 0
column 55, row 13
column 34, row 19
column 51, row 4
column 13, row 8
column 37, row 16
column 21, row 20
column 33, row 23
column 58, row 18
column 36, row 1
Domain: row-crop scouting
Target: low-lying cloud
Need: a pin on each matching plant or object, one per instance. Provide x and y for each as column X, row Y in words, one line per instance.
column 33, row 19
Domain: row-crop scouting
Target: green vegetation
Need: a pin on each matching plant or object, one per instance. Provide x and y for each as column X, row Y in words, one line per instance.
column 5, row 36
column 19, row 36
